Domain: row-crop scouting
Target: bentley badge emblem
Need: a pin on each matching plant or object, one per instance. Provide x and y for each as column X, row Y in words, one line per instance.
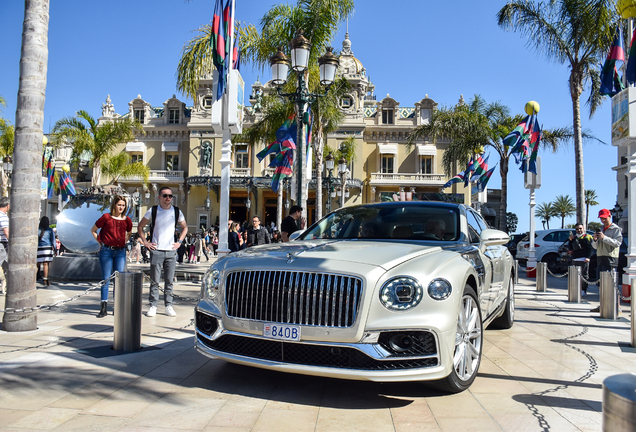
column 290, row 258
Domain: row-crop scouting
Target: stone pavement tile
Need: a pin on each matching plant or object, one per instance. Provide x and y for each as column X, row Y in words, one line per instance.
column 238, row 403
column 117, row 408
column 172, row 412
column 45, row 418
column 132, row 428
column 531, row 423
column 8, row 416
column 89, row 423
column 86, row 396
column 416, row 412
column 225, row 429
column 446, row 406
column 37, row 397
column 481, row 423
column 274, row 420
column 360, row 420
column 146, row 389
column 235, row 419
column 181, row 366
column 502, row 385
column 496, row 404
column 416, row 426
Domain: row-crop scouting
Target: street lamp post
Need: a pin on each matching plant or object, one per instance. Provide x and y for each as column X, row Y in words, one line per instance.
column 328, row 63
column 248, row 203
column 343, row 171
column 329, row 166
column 135, row 197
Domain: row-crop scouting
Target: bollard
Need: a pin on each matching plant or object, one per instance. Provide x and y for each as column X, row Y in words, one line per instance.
column 619, row 403
column 609, row 306
column 574, row 284
column 516, row 272
column 633, row 312
column 128, row 290
column 542, row 276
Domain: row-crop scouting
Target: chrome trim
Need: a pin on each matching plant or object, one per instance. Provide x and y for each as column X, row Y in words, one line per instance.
column 372, row 350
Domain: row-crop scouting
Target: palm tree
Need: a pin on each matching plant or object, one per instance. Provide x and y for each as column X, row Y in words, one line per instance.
column 574, row 32
column 563, row 206
column 25, row 199
column 98, row 141
column 545, row 211
column 119, row 166
column 472, row 127
column 590, row 199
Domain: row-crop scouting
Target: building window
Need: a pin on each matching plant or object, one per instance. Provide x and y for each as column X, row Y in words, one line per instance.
column 172, row 161
column 139, row 115
column 426, row 115
column 426, row 164
column 346, row 102
column 242, row 157
column 387, row 164
column 136, row 157
column 387, row 116
column 207, row 102
column 174, row 116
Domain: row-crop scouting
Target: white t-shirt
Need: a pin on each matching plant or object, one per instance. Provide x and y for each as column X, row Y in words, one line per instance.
column 163, row 232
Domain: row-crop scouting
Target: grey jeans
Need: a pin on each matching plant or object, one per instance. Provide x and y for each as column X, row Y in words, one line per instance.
column 166, row 261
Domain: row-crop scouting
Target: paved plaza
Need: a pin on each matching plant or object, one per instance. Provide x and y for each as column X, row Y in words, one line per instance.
column 544, row 374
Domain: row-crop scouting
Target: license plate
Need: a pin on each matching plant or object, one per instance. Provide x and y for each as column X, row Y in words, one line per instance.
column 282, row 331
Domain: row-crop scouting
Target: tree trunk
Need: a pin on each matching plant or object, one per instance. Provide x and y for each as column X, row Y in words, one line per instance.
column 27, row 168
column 97, row 171
column 575, row 91
column 503, row 205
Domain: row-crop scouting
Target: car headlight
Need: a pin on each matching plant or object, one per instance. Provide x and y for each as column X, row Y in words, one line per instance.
column 401, row 293
column 211, row 283
column 439, row 289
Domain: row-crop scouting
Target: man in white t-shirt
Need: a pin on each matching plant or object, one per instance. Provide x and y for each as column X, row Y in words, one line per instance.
column 162, row 247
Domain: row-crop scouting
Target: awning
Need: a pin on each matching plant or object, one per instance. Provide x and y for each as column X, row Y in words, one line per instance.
column 426, row 150
column 387, row 148
column 169, row 146
column 135, row 146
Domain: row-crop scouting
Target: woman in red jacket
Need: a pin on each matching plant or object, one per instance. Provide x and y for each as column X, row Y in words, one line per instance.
column 115, row 228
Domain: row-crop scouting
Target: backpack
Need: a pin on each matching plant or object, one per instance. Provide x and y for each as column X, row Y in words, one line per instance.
column 154, row 217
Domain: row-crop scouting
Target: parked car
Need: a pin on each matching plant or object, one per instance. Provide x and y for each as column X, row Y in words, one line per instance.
column 397, row 291
column 546, row 246
column 512, row 244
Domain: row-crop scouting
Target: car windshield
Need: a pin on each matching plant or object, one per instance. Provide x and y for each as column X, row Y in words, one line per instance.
column 396, row 221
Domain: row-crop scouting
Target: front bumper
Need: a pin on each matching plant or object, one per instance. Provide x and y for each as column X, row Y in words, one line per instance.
column 374, row 360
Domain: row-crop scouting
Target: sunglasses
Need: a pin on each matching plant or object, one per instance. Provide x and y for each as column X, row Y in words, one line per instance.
column 167, row 196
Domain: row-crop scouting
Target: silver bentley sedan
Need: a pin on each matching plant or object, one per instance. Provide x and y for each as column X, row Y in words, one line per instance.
column 398, row 291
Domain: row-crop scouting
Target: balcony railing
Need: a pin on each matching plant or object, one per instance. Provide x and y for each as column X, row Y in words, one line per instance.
column 401, row 178
column 240, row 172
column 159, row 175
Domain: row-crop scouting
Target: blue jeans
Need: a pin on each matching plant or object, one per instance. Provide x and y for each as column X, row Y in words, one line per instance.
column 111, row 261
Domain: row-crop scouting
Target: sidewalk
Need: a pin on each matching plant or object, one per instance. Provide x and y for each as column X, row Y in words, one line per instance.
column 543, row 374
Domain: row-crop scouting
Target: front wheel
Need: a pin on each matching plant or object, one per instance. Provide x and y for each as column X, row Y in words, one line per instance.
column 468, row 345
column 552, row 260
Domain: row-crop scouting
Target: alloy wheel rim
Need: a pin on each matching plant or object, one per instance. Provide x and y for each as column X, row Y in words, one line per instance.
column 467, row 339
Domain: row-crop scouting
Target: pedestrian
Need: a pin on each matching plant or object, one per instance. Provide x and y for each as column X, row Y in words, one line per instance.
column 580, row 244
column 4, row 241
column 607, row 242
column 46, row 251
column 204, row 248
column 114, row 231
column 243, row 240
column 234, row 239
column 276, row 237
column 163, row 219
column 199, row 245
column 191, row 249
column 290, row 224
column 257, row 235
column 135, row 252
column 215, row 243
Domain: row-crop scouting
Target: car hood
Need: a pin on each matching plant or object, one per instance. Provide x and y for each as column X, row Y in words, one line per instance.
column 380, row 253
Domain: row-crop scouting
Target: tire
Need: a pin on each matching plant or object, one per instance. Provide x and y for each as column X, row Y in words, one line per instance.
column 468, row 345
column 506, row 320
column 552, row 260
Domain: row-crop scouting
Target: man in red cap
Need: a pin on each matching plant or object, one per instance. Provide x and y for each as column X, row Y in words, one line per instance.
column 607, row 242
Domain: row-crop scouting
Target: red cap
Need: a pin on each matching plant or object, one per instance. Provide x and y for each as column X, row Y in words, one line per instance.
column 604, row 213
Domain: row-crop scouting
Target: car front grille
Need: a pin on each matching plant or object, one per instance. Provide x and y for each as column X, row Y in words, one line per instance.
column 304, row 298
column 310, row 355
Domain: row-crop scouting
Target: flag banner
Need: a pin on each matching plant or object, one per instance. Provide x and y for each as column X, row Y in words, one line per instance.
column 50, row 174
column 285, row 139
column 236, row 54
column 284, row 169
column 610, row 81
column 66, row 185
column 218, row 46
column 470, row 168
column 481, row 168
column 630, row 70
column 483, row 181
column 456, row 179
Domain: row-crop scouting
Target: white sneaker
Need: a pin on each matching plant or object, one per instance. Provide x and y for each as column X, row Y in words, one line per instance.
column 170, row 311
column 152, row 311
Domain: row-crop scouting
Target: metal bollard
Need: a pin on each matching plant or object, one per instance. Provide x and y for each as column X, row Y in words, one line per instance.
column 516, row 272
column 574, row 284
column 619, row 403
column 128, row 290
column 609, row 305
column 542, row 276
column 633, row 314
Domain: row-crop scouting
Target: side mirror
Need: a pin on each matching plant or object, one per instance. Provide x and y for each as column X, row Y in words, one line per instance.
column 295, row 235
column 492, row 237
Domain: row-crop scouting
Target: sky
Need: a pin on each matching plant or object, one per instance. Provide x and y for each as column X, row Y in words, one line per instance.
column 413, row 48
